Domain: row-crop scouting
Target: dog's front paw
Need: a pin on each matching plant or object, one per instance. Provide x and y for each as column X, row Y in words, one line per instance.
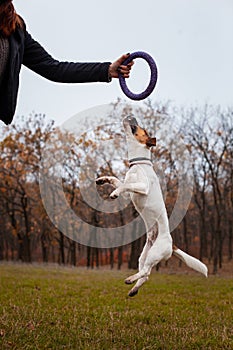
column 114, row 194
column 100, row 181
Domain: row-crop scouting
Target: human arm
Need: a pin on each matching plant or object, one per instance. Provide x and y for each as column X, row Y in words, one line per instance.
column 37, row 59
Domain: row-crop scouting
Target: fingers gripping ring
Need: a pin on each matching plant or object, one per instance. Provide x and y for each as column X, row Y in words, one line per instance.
column 153, row 78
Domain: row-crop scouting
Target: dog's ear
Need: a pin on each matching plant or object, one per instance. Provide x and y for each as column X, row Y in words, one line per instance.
column 151, row 142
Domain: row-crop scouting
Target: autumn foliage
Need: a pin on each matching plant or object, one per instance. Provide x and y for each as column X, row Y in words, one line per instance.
column 27, row 233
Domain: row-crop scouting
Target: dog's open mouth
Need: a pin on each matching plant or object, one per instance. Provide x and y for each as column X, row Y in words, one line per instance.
column 132, row 122
column 133, row 128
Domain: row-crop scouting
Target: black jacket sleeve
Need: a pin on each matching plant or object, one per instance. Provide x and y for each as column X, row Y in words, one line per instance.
column 38, row 60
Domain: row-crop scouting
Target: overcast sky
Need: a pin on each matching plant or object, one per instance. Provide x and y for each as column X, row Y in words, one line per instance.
column 191, row 42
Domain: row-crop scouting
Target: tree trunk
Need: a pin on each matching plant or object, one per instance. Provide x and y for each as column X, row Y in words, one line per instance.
column 119, row 262
column 27, row 249
column 62, row 249
column 185, row 232
column 44, row 249
column 88, row 257
column 134, row 254
column 1, row 246
column 111, row 258
column 230, row 253
column 73, row 253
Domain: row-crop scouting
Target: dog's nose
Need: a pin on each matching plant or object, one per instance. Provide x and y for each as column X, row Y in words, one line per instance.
column 131, row 120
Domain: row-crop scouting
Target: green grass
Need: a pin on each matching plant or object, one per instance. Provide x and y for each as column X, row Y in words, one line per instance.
column 62, row 308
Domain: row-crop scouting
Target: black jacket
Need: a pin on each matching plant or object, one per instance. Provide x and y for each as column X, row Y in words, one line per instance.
column 25, row 50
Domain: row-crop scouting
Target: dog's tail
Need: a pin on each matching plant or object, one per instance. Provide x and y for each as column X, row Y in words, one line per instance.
column 190, row 261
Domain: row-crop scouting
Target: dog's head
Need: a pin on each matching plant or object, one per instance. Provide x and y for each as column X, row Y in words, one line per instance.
column 138, row 140
column 133, row 130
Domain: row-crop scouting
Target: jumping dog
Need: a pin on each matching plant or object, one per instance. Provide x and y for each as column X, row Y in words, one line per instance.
column 143, row 185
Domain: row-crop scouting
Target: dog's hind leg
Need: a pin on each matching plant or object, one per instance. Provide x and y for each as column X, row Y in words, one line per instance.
column 135, row 289
column 153, row 258
column 143, row 274
column 141, row 263
column 151, row 237
column 143, row 256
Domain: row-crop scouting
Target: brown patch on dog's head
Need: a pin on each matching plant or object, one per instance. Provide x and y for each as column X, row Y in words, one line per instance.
column 142, row 136
column 139, row 133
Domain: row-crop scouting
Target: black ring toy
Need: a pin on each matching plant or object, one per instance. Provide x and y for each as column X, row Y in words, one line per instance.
column 153, row 78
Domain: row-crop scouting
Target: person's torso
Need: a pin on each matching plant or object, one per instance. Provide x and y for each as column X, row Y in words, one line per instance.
column 4, row 56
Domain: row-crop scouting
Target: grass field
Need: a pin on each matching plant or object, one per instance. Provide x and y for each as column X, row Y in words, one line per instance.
column 62, row 308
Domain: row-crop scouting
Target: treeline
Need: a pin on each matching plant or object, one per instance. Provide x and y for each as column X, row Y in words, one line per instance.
column 41, row 165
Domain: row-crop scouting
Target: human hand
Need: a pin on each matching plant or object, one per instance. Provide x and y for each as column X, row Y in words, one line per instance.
column 117, row 67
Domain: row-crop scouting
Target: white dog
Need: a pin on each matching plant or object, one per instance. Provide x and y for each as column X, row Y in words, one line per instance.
column 142, row 183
